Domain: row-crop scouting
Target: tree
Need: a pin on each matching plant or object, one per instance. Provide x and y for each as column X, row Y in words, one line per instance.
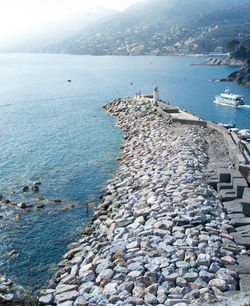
column 248, row 61
column 244, row 51
column 246, row 44
column 231, row 45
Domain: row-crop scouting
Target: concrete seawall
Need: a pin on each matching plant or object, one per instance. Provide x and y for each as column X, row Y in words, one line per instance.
column 233, row 148
column 178, row 115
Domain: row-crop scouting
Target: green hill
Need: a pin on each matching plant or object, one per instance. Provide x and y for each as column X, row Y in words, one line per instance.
column 224, row 25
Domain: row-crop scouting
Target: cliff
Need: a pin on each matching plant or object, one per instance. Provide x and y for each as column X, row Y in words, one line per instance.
column 242, row 76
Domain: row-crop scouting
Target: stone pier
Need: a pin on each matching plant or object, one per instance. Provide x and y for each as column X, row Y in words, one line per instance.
column 162, row 234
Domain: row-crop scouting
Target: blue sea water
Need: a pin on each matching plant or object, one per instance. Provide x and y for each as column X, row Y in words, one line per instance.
column 56, row 132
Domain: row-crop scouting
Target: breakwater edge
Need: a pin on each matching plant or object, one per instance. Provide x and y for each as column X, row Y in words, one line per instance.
column 160, row 234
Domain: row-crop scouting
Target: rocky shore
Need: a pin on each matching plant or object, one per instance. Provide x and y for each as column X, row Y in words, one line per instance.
column 226, row 61
column 159, row 236
column 242, row 76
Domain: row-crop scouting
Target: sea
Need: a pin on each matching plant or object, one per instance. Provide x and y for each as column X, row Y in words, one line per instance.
column 54, row 131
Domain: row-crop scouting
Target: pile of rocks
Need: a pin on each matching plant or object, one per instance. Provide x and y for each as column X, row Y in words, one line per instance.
column 5, row 292
column 12, row 295
column 160, row 235
column 226, row 61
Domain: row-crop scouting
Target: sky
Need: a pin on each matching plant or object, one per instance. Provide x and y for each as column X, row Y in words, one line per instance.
column 20, row 16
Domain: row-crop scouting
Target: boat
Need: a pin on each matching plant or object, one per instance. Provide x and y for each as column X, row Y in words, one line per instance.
column 229, row 125
column 227, row 98
column 244, row 134
column 233, row 130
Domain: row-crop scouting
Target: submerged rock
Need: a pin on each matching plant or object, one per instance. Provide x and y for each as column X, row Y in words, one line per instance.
column 37, row 183
column 40, row 206
column 58, row 201
column 13, row 253
column 17, row 217
column 25, row 188
column 22, row 205
column 47, row 299
column 35, row 188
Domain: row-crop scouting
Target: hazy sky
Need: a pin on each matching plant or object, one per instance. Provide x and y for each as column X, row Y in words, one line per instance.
column 19, row 15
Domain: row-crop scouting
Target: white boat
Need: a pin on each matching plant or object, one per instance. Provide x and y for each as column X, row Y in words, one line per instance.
column 227, row 98
column 229, row 125
column 244, row 134
column 234, row 130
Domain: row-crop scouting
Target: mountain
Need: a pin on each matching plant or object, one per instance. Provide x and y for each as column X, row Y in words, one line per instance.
column 59, row 30
column 160, row 27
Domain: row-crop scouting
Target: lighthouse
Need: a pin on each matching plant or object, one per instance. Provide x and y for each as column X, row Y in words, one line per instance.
column 156, row 96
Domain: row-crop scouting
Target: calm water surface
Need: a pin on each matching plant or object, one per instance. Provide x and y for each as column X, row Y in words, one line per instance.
column 55, row 131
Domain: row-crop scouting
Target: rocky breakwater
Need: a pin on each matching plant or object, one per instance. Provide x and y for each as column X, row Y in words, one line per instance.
column 160, row 236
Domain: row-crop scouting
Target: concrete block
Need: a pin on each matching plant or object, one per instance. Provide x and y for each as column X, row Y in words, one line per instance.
column 168, row 108
column 225, row 175
column 236, row 192
column 239, row 184
column 246, row 194
column 213, row 182
column 240, row 221
column 244, row 264
column 245, row 202
column 244, row 282
column 236, row 216
column 228, row 194
column 221, row 186
column 239, row 269
column 244, row 230
column 163, row 113
column 245, row 208
column 212, row 176
column 235, row 181
column 223, row 178
column 233, row 207
column 244, row 241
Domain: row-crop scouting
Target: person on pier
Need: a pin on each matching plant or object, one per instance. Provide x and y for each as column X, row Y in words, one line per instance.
column 156, row 96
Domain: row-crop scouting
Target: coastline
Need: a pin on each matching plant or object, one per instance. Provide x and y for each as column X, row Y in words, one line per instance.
column 160, row 234
column 225, row 61
column 242, row 76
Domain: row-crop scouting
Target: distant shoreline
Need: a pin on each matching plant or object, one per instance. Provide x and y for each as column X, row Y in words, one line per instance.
column 129, row 55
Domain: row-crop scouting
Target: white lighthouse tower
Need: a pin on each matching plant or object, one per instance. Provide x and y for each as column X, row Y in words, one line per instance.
column 156, row 96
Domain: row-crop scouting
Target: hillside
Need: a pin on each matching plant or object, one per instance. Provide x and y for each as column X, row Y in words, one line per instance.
column 222, row 26
column 160, row 27
column 242, row 76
